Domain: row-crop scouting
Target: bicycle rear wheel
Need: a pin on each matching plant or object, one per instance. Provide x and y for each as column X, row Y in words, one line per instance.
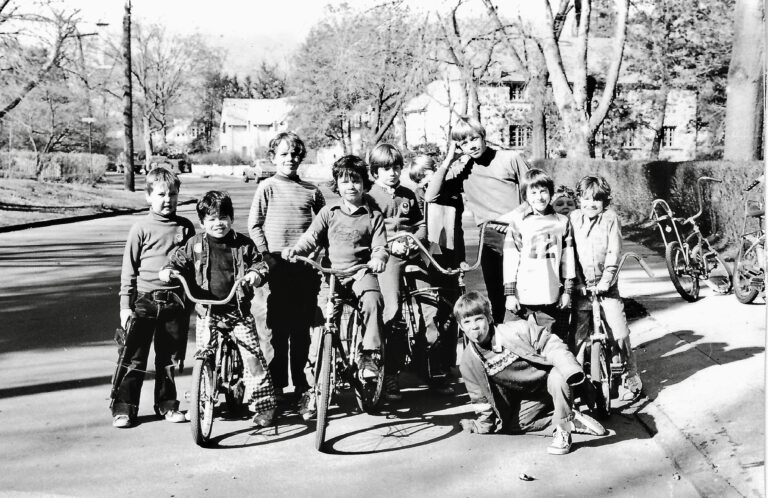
column 203, row 401
column 747, row 267
column 323, row 387
column 367, row 391
column 685, row 281
column 232, row 378
column 600, row 370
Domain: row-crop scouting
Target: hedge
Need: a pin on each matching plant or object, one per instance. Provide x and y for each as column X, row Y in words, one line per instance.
column 636, row 184
column 68, row 166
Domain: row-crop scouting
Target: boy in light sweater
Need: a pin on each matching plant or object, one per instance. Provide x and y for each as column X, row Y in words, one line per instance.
column 539, row 262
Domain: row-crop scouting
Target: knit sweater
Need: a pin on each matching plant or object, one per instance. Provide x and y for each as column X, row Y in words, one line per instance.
column 538, row 255
column 400, row 209
column 282, row 211
column 149, row 243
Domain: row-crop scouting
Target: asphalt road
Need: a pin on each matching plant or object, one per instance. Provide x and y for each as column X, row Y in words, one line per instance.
column 58, row 311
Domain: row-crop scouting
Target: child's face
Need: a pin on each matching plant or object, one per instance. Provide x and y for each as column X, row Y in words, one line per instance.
column 427, row 176
column 163, row 199
column 476, row 327
column 591, row 206
column 563, row 204
column 538, row 197
column 217, row 225
column 286, row 159
column 389, row 176
column 474, row 146
column 351, row 188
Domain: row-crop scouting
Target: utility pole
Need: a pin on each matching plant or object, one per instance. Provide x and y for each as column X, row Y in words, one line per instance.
column 129, row 181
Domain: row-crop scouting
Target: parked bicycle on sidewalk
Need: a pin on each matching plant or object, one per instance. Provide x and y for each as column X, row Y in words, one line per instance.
column 749, row 268
column 690, row 259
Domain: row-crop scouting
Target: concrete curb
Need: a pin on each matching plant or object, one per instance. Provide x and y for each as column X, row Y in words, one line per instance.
column 85, row 217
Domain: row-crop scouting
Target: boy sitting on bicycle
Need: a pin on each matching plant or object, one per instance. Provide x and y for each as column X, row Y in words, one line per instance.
column 515, row 373
column 353, row 233
column 217, row 258
column 539, row 265
column 597, row 238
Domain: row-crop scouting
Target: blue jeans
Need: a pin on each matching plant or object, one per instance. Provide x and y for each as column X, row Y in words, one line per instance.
column 166, row 321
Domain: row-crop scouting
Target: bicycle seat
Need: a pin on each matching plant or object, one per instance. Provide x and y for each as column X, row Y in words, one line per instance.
column 413, row 269
column 755, row 210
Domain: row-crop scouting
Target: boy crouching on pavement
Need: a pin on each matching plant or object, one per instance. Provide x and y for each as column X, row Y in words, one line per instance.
column 515, row 372
column 157, row 309
column 216, row 259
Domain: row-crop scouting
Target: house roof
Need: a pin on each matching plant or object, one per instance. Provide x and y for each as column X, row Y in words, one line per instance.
column 239, row 112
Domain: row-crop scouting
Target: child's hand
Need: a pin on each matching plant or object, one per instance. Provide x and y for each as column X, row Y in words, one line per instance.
column 288, row 254
column 376, row 265
column 253, row 278
column 125, row 314
column 565, row 301
column 602, row 287
column 512, row 304
column 164, row 275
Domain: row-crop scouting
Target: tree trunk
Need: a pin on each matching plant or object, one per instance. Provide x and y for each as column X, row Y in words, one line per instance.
column 657, row 123
column 744, row 107
column 128, row 180
column 537, row 92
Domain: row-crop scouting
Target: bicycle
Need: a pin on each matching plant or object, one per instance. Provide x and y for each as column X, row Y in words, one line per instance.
column 414, row 300
column 602, row 369
column 749, row 268
column 218, row 369
column 339, row 355
column 692, row 258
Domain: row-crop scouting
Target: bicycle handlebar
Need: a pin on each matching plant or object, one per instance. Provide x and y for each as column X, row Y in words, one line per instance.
column 463, row 266
column 592, row 289
column 346, row 272
column 206, row 302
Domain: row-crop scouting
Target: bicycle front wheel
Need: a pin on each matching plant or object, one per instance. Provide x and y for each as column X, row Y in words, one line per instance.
column 323, row 387
column 747, row 267
column 367, row 391
column 600, row 365
column 685, row 281
column 203, row 401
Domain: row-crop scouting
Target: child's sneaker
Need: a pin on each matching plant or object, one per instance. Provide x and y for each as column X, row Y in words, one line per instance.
column 369, row 366
column 584, row 424
column 121, row 421
column 175, row 416
column 391, row 388
column 561, row 442
column 634, row 384
column 265, row 418
column 308, row 404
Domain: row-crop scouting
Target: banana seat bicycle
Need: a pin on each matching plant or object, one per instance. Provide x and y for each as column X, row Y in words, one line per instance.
column 598, row 354
column 339, row 352
column 218, row 369
column 420, row 303
column 749, row 267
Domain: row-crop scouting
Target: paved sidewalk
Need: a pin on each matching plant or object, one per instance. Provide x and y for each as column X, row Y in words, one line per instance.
column 702, row 365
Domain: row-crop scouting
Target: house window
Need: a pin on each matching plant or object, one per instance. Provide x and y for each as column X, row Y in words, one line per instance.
column 668, row 137
column 519, row 135
column 629, row 137
column 223, row 128
column 517, row 92
column 245, row 151
column 223, row 148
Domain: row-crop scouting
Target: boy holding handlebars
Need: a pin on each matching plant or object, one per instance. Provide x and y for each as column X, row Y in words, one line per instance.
column 217, row 258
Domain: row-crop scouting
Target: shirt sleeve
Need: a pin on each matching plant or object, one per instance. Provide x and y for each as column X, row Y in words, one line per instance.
column 568, row 261
column 613, row 250
column 130, row 267
column 257, row 216
column 511, row 257
column 319, row 201
column 379, row 238
column 518, row 168
column 316, row 233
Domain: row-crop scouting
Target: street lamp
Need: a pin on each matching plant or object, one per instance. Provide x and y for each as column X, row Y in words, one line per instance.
column 90, row 121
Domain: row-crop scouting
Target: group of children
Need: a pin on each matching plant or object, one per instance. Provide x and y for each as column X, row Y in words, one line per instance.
column 536, row 271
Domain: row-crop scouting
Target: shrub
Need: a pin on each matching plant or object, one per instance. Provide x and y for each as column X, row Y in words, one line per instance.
column 67, row 166
column 636, row 184
column 223, row 159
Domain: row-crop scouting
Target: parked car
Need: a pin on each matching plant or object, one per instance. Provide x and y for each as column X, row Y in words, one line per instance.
column 178, row 163
column 258, row 171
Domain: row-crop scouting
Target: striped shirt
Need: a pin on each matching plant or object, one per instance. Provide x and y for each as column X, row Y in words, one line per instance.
column 282, row 211
column 538, row 254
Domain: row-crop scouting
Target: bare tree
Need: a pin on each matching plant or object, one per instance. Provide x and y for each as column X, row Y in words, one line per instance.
column 570, row 92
